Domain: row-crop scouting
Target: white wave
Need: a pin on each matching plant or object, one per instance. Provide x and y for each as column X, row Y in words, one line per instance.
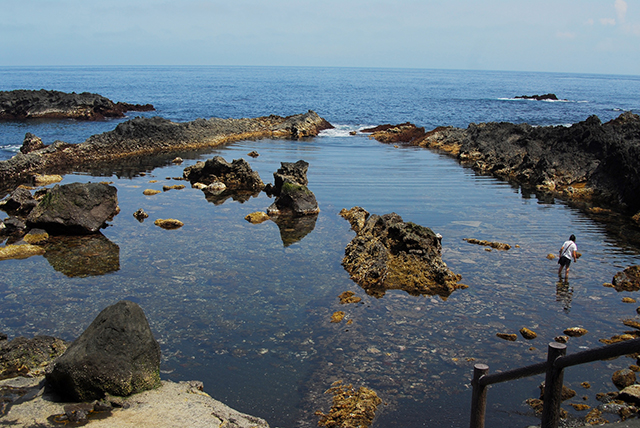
column 342, row 130
column 11, row 148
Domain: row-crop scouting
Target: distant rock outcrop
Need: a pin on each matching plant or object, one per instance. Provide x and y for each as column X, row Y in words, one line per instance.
column 388, row 253
column 545, row 97
column 25, row 104
column 116, row 355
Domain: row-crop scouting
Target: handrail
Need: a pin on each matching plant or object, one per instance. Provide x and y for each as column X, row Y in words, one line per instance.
column 554, row 367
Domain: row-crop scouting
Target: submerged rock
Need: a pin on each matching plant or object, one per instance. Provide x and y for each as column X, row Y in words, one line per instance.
column 496, row 245
column 170, row 223
column 351, row 408
column 140, row 215
column 76, row 208
column 22, row 356
column 628, row 279
column 388, row 253
column 81, row 256
column 115, row 355
column 20, row 251
column 257, row 217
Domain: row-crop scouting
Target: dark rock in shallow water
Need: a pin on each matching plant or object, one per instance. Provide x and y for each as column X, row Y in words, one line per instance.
column 25, row 104
column 116, row 355
column 237, row 175
column 20, row 201
column 401, row 133
column 76, row 208
column 293, row 196
column 388, row 253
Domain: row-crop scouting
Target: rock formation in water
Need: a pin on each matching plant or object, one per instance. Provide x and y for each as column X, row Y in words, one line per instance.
column 588, row 162
column 235, row 176
column 25, row 104
column 628, row 279
column 388, row 253
column 117, row 354
column 148, row 136
column 293, row 197
column 75, row 208
column 545, row 97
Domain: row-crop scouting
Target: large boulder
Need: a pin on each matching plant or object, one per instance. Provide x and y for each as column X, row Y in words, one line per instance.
column 293, row 196
column 20, row 201
column 76, row 208
column 117, row 354
column 628, row 279
column 236, row 175
column 388, row 253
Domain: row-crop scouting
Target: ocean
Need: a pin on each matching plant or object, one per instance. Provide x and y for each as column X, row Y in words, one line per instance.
column 248, row 313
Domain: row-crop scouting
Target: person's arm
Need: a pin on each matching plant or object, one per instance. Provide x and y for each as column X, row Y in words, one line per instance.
column 574, row 255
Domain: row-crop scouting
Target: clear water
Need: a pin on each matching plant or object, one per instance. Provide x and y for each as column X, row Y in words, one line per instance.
column 234, row 307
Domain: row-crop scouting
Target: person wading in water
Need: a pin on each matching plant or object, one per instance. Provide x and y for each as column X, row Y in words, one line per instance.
column 568, row 252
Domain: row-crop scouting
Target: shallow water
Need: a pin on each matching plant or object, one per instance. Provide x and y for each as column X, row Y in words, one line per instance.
column 234, row 307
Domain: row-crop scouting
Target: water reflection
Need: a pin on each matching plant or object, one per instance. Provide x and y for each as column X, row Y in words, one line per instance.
column 235, row 195
column 564, row 294
column 293, row 229
column 82, row 256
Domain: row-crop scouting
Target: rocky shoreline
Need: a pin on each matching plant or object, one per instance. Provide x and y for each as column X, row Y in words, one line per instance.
column 149, row 136
column 589, row 163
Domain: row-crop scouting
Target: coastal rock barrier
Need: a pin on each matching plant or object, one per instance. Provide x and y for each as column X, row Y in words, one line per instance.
column 588, row 162
column 24, row 104
column 147, row 136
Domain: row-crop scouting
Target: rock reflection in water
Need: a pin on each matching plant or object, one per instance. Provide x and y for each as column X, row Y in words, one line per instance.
column 294, row 229
column 238, row 196
column 82, row 256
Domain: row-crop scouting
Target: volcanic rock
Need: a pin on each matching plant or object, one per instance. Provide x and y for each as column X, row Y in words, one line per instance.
column 25, row 104
column 20, row 201
column 237, row 175
column 388, row 253
column 293, row 195
column 402, row 133
column 116, row 355
column 588, row 161
column 31, row 143
column 545, row 97
column 76, row 208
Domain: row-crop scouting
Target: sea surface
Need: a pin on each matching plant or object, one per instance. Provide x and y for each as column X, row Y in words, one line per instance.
column 246, row 308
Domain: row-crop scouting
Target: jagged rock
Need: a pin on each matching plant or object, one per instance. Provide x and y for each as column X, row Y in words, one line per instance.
column 627, row 280
column 630, row 394
column 237, row 175
column 12, row 225
column 301, row 126
column 20, row 201
column 24, row 104
column 623, row 378
column 76, row 208
column 388, row 253
column 293, row 195
column 31, row 143
column 22, row 356
column 116, row 354
column 170, row 223
column 253, row 154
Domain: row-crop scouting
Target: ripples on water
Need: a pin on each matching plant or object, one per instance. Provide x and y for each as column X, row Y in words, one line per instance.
column 234, row 307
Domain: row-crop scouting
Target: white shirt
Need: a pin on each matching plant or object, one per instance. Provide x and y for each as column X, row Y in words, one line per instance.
column 567, row 249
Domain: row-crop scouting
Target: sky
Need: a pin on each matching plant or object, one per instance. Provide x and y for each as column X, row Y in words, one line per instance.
column 582, row 36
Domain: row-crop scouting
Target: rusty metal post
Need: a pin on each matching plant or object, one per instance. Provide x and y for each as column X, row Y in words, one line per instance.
column 553, row 387
column 478, row 397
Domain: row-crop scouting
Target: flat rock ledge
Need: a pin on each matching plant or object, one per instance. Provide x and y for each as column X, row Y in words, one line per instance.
column 146, row 136
column 171, row 405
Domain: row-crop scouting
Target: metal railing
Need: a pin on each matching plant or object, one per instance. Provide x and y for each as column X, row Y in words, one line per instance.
column 554, row 367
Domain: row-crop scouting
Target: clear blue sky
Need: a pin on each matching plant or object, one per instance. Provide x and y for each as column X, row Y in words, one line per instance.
column 591, row 36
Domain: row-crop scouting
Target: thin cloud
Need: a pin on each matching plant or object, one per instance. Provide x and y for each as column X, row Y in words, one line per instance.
column 621, row 9
column 566, row 35
column 608, row 21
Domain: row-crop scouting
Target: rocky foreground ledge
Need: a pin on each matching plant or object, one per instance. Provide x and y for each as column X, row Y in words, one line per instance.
column 24, row 104
column 146, row 136
column 589, row 162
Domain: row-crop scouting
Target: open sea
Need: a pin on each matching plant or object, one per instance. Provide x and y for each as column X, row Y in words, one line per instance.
column 246, row 308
